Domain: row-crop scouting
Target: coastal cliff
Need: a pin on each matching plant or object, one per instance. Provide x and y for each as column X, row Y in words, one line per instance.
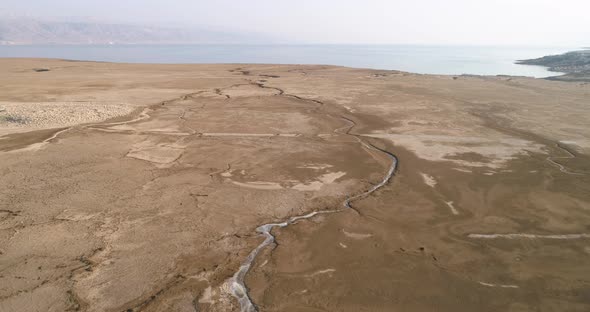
column 575, row 65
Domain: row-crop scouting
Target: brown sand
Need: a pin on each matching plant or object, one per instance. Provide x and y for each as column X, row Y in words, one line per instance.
column 156, row 210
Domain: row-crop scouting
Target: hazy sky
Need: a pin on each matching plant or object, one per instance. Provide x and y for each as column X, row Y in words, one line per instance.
column 539, row 22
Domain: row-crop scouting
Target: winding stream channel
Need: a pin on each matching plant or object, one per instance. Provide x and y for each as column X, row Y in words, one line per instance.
column 236, row 283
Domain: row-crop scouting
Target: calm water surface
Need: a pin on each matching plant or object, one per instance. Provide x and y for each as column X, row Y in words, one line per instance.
column 447, row 60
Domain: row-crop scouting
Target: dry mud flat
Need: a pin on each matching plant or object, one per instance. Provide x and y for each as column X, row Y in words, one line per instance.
column 489, row 208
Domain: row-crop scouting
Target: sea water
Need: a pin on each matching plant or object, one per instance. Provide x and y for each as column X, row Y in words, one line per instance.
column 444, row 60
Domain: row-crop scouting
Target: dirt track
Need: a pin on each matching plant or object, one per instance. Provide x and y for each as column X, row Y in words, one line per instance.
column 156, row 210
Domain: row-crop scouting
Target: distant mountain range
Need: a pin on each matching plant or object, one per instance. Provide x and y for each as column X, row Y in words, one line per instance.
column 14, row 31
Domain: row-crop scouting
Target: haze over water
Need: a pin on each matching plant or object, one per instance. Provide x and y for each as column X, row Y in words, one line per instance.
column 446, row 60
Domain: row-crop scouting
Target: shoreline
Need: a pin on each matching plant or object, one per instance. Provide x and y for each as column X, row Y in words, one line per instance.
column 447, row 60
column 377, row 70
column 574, row 65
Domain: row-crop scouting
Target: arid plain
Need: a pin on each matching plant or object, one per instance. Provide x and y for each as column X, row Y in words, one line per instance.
column 130, row 187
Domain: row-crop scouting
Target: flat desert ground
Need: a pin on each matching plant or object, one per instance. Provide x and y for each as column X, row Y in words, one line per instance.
column 132, row 187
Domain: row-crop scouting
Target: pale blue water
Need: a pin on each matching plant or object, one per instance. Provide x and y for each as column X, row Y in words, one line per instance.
column 447, row 60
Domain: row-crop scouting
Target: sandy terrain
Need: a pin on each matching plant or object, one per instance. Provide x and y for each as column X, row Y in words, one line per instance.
column 129, row 187
column 24, row 117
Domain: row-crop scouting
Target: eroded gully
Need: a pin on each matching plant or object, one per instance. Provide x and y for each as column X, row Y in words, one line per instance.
column 236, row 283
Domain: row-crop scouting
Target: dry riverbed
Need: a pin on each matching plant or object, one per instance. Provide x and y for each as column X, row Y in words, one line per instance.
column 130, row 187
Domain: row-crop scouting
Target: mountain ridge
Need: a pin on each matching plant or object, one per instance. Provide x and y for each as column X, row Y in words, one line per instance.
column 28, row 31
